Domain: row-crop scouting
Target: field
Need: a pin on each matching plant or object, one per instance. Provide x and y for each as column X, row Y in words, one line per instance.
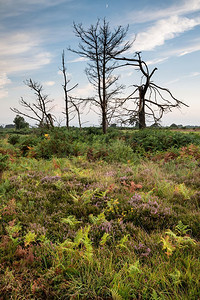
column 91, row 216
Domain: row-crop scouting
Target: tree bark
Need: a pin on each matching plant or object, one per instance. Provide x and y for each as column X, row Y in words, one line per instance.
column 104, row 121
column 142, row 123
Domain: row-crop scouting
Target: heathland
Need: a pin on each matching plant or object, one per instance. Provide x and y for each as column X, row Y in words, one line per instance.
column 90, row 216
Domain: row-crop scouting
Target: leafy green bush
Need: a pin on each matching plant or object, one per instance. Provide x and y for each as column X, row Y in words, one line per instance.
column 13, row 139
column 57, row 142
column 160, row 140
column 119, row 151
column 27, row 142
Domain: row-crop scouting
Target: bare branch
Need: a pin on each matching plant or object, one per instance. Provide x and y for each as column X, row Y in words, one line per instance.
column 99, row 44
column 39, row 110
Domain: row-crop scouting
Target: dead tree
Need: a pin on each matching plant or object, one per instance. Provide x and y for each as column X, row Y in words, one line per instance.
column 96, row 45
column 39, row 110
column 152, row 100
column 66, row 90
column 77, row 106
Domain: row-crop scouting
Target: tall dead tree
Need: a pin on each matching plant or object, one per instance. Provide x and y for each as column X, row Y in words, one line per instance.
column 152, row 100
column 96, row 45
column 66, row 90
column 39, row 110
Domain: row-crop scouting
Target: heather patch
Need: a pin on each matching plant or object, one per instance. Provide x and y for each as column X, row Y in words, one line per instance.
column 98, row 227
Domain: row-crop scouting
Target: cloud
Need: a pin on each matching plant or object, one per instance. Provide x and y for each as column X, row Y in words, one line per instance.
column 192, row 46
column 163, row 30
column 191, row 75
column 4, row 80
column 80, row 59
column 194, row 74
column 156, row 61
column 10, row 8
column 22, row 51
column 188, row 50
column 28, row 62
column 17, row 43
column 85, row 91
column 147, row 14
column 49, row 83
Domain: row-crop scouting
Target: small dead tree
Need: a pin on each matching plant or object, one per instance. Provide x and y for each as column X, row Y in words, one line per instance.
column 39, row 110
column 152, row 100
column 96, row 45
column 78, row 105
column 66, row 90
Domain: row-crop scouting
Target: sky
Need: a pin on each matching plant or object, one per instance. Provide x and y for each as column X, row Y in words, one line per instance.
column 33, row 34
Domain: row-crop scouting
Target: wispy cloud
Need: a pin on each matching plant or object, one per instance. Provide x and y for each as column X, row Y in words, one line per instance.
column 192, row 46
column 179, row 9
column 11, row 8
column 4, row 80
column 157, row 61
column 49, row 83
column 17, row 43
column 22, row 51
column 190, row 75
column 28, row 62
column 188, row 50
column 79, row 59
column 163, row 30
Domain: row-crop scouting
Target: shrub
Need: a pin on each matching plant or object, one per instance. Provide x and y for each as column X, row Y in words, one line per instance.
column 13, row 139
column 27, row 142
column 119, row 151
column 160, row 140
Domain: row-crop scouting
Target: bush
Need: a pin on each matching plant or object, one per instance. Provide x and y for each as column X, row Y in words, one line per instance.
column 13, row 139
column 160, row 140
column 27, row 142
column 119, row 151
column 57, row 142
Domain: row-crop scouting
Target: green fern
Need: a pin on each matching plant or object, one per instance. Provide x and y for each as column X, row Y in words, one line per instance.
column 135, row 268
column 97, row 220
column 70, row 220
column 181, row 228
column 176, row 277
column 30, row 237
column 82, row 238
column 74, row 197
column 104, row 239
column 87, row 196
column 180, row 240
column 115, row 294
column 123, row 242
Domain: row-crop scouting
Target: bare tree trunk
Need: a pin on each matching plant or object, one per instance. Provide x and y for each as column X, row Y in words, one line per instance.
column 104, row 121
column 77, row 108
column 142, row 123
column 66, row 81
column 65, row 89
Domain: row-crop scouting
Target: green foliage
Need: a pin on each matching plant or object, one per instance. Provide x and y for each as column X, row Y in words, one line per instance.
column 3, row 162
column 29, row 238
column 98, row 226
column 71, row 220
column 20, row 122
column 173, row 241
column 160, row 140
column 13, row 139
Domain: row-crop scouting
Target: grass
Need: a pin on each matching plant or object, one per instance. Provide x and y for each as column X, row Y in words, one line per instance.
column 95, row 226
